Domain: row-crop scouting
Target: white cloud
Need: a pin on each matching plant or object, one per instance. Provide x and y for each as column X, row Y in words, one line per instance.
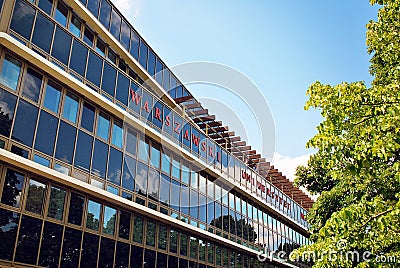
column 287, row 165
column 129, row 8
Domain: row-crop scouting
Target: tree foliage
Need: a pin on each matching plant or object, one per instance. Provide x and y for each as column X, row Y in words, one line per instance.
column 356, row 167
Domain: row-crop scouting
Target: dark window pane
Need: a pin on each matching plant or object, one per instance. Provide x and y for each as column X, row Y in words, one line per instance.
column 128, row 178
column 175, row 193
column 61, row 45
column 134, row 45
column 115, row 166
column 88, row 37
column 162, row 260
column 122, row 89
column 124, row 224
column 173, row 242
column 165, row 189
column 122, row 255
column 34, row 202
column 93, row 215
column 87, row 120
column 75, row 26
column 141, row 178
column 78, row 58
column 172, row 261
column 153, row 184
column 65, row 142
column 95, row 65
column 22, row 19
column 106, row 258
column 8, row 233
column 52, row 98
column 83, row 152
column 93, row 6
column 71, row 104
column 137, row 257
column 71, row 248
column 103, row 126
column 115, row 24
column 162, row 237
column 56, row 204
column 183, row 263
column 159, row 71
column 110, row 215
column 19, row 151
column 151, row 234
column 143, row 54
column 109, row 76
column 76, row 209
column 43, row 32
column 28, row 240
column 105, row 11
column 46, row 133
column 46, row 5
column 32, row 84
column 151, row 63
column 7, row 107
column 125, row 35
column 183, row 244
column 99, row 158
column 51, row 245
column 10, row 72
column 89, row 250
column 149, row 259
column 25, row 123
column 138, row 230
column 61, row 14
column 100, row 47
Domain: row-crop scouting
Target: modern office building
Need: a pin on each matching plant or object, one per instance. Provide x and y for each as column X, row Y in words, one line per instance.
column 99, row 170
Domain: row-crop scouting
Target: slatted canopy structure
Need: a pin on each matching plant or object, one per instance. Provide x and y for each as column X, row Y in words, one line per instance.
column 234, row 144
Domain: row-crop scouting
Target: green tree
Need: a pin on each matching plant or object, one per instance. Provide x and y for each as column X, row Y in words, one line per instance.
column 356, row 167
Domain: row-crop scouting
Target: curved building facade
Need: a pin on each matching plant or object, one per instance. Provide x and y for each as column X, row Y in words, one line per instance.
column 107, row 160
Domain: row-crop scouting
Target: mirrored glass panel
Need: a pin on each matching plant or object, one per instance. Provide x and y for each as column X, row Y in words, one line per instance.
column 10, row 71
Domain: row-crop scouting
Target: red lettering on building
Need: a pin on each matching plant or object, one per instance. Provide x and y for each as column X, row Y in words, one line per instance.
column 158, row 114
column 135, row 97
column 203, row 146
column 168, row 120
column 186, row 135
column 177, row 126
column 210, row 151
column 195, row 140
column 146, row 106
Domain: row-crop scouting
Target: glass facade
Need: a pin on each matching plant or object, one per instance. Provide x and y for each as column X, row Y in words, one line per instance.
column 46, row 121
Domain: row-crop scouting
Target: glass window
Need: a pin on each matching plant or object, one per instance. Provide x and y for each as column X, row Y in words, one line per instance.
column 12, row 188
column 103, row 126
column 162, row 237
column 122, row 88
column 70, row 250
column 185, row 174
column 183, row 244
column 166, row 163
column 143, row 150
column 46, row 5
column 176, row 169
column 99, row 162
column 109, row 75
column 8, row 227
column 76, row 209
column 93, row 6
column 105, row 11
column 151, row 234
column 155, row 156
column 87, row 120
column 164, row 189
column 25, row 123
column 75, row 26
column 51, row 244
column 151, row 63
column 175, row 194
column 159, row 73
column 143, row 54
column 125, row 35
column 112, row 57
column 83, row 152
column 34, row 202
column 65, row 142
column 114, row 166
column 52, row 98
column 93, row 215
column 32, row 84
column 61, row 45
column 71, row 104
column 137, row 257
column 117, row 134
column 153, row 184
column 61, row 14
column 122, row 255
column 141, row 178
column 138, row 230
column 100, row 47
column 28, row 240
column 43, row 32
column 184, row 200
column 61, row 169
column 128, row 178
column 173, row 241
column 78, row 57
column 124, row 224
column 88, row 37
column 7, row 108
column 90, row 249
column 56, row 204
column 131, row 140
column 115, row 24
column 10, row 71
column 194, row 204
column 134, row 50
column 22, row 19
column 202, row 183
column 95, row 65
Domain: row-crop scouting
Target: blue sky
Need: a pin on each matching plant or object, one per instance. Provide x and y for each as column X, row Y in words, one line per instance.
column 282, row 46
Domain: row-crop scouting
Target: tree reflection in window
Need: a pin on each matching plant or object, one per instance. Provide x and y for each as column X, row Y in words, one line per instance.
column 12, row 188
column 35, row 197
